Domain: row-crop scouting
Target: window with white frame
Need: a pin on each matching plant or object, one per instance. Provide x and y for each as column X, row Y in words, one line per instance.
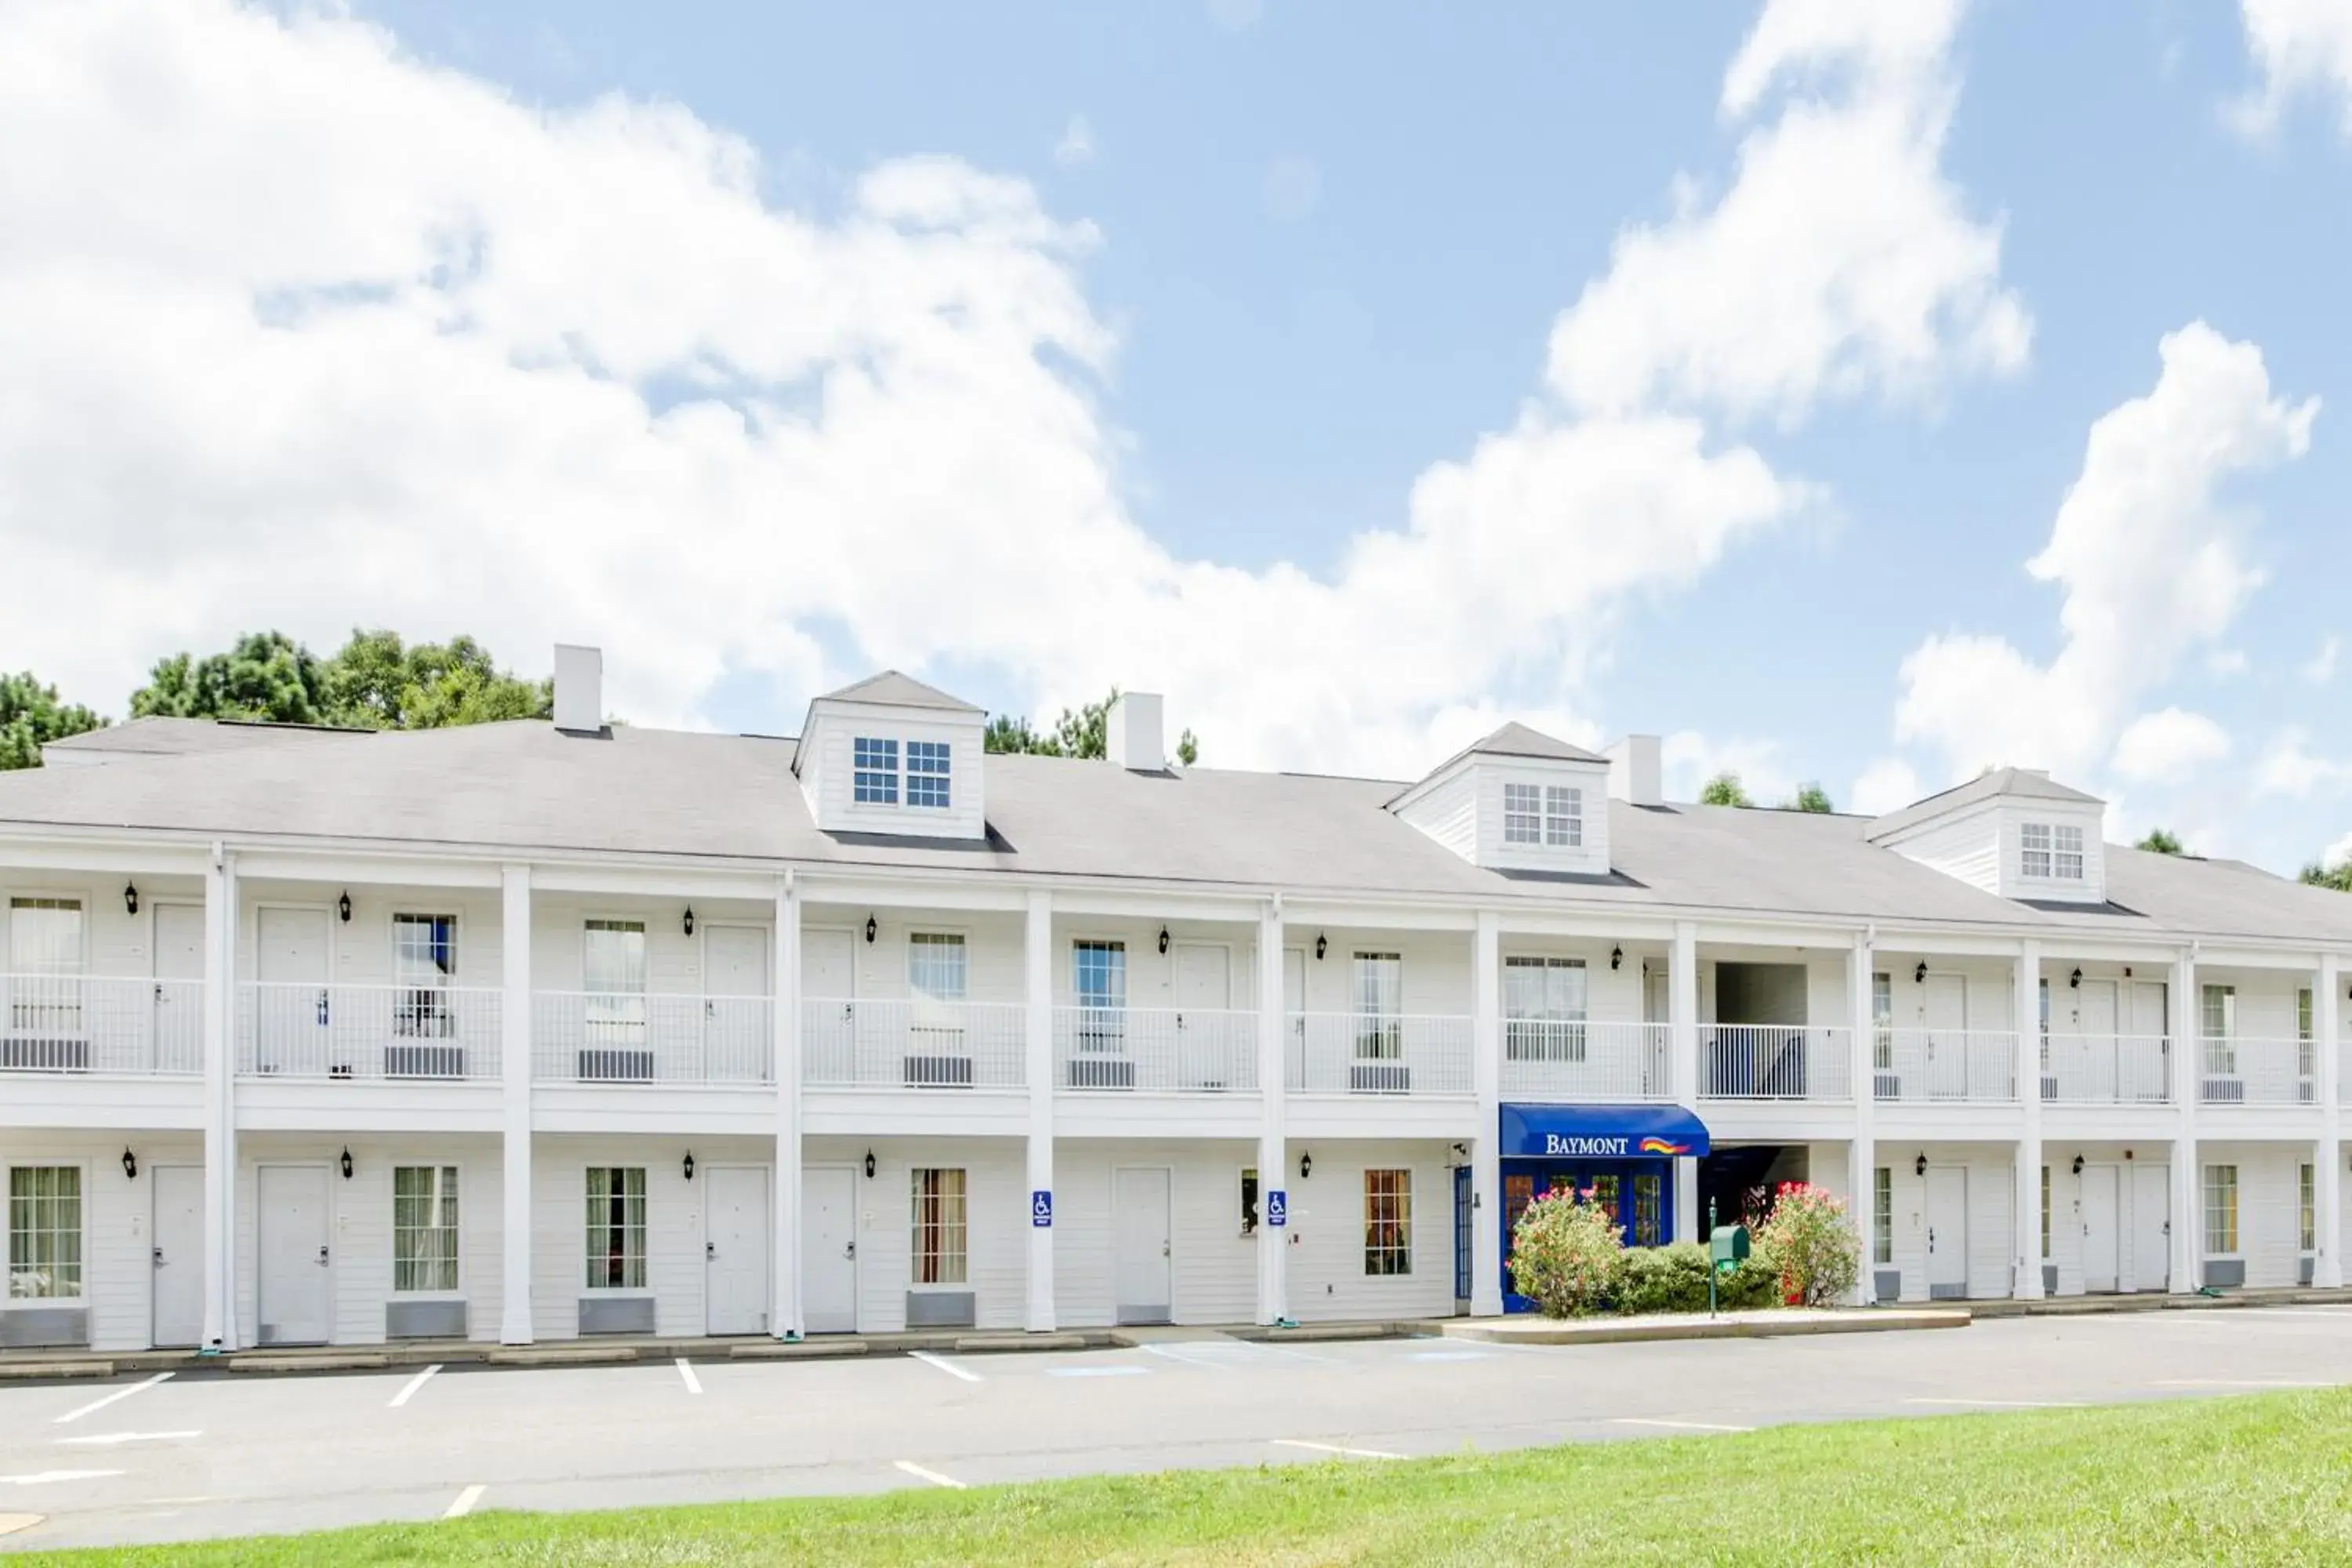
column 2218, row 1023
column 44, row 954
column 1098, row 980
column 935, row 966
column 940, row 1236
column 1882, row 1215
column 2307, row 1191
column 1249, row 1200
column 612, row 964
column 2220, row 1211
column 2066, row 853
column 2033, row 851
column 1379, row 1005
column 1522, row 814
column 1387, row 1222
column 1543, row 1009
column 423, row 966
column 2305, row 1041
column 617, row 1227
column 874, row 780
column 926, row 773
column 424, row 1228
column 45, row 1233
column 1563, row 817
column 1881, row 1023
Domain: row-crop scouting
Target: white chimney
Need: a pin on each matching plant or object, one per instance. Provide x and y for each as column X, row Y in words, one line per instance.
column 579, row 687
column 1637, row 770
column 1131, row 732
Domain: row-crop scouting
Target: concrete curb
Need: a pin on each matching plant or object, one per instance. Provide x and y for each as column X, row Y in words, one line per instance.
column 1770, row 1325
column 306, row 1362
column 562, row 1355
column 30, row 1369
column 971, row 1344
column 797, row 1350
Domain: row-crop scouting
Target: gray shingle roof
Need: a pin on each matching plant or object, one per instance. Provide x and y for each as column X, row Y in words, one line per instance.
column 2029, row 783
column 1516, row 740
column 174, row 737
column 893, row 689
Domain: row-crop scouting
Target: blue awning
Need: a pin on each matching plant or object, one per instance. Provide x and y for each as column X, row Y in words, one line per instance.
column 1600, row 1131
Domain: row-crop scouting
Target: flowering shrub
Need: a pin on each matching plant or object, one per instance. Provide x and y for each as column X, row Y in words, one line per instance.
column 1811, row 1245
column 1566, row 1254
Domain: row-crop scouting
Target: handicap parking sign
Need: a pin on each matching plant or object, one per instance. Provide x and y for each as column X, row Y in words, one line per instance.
column 1041, row 1209
column 1277, row 1208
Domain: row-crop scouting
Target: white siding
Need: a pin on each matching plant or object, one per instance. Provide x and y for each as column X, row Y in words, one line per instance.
column 2270, row 1213
column 828, row 758
column 1966, row 846
column 2091, row 819
column 1591, row 859
column 1448, row 812
column 1992, row 1187
column 1214, row 1264
column 118, row 1273
column 996, row 1199
column 1327, row 1280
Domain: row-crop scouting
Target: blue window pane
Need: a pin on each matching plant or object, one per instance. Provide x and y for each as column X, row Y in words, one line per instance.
column 926, row 773
column 1100, row 979
column 876, row 781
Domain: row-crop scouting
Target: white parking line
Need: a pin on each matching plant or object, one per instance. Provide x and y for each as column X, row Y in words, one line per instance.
column 465, row 1503
column 117, row 1393
column 2005, row 1403
column 933, row 1477
column 945, row 1365
column 107, row 1439
column 693, row 1384
column 408, row 1389
column 40, row 1478
column 1333, row 1449
column 1676, row 1426
column 10, row 1523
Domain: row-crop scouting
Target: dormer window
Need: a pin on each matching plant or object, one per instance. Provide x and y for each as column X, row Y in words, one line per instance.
column 1551, row 815
column 1522, row 814
column 877, row 780
column 2049, row 852
column 1563, row 817
column 926, row 773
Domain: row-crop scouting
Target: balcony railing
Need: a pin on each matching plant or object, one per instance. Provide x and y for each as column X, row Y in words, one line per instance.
column 100, row 1024
column 1576, row 1060
column 1155, row 1050
column 913, row 1044
column 1378, row 1052
column 1944, row 1066
column 585, row 1036
column 1774, row 1061
column 371, row 1032
column 2107, row 1069
column 2258, row 1072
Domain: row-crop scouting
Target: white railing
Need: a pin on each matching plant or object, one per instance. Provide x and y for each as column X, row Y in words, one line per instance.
column 1155, row 1050
column 1373, row 1053
column 2344, row 1075
column 101, row 1023
column 585, row 1036
column 1773, row 1061
column 1944, row 1066
column 303, row 1031
column 913, row 1044
column 2107, row 1069
column 2258, row 1072
column 1554, row 1060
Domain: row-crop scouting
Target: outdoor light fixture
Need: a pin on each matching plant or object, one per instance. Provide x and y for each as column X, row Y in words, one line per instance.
column 346, row 1163
column 1919, row 975
column 1322, row 945
column 2078, row 1165
column 130, row 1164
column 1306, row 1166
column 1616, row 958
column 1462, row 1154
column 2075, row 981
column 870, row 1164
column 1920, row 1166
column 689, row 919
column 131, row 897
column 1163, row 939
column 871, row 929
column 688, row 1166
column 343, row 907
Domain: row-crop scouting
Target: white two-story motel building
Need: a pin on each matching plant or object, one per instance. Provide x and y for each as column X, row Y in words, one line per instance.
column 528, row 1031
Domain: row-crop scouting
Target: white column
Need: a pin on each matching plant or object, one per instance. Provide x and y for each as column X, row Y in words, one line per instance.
column 1274, row 1083
column 2026, row 1009
column 1862, row 1160
column 1682, row 1017
column 220, row 1111
column 788, row 1320
column 1485, row 1149
column 2188, row 1082
column 1037, row 957
column 2326, row 1024
column 514, row 1121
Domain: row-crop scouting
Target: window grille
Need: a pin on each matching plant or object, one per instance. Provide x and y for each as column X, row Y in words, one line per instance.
column 875, row 780
column 940, row 1235
column 1563, row 817
column 1387, row 1222
column 424, row 1227
column 1522, row 814
column 45, row 1233
column 926, row 773
column 617, row 1227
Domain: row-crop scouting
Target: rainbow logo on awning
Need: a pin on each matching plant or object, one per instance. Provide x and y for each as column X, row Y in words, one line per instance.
column 1660, row 1146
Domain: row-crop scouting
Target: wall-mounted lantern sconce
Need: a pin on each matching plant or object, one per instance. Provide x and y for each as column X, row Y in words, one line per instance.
column 688, row 1166
column 1322, row 946
column 872, row 929
column 2127, row 972
column 1163, row 939
column 129, row 1165
column 1306, row 1166
column 870, row 1164
column 1462, row 1154
column 2075, row 981
column 343, row 907
column 688, row 923
column 131, row 897
column 346, row 1163
column 1920, row 1166
column 1919, row 975
column 2078, row 1165
column 1616, row 958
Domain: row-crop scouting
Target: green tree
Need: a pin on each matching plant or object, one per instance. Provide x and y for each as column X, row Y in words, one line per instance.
column 1812, row 797
column 1724, row 789
column 2338, row 877
column 30, row 714
column 1082, row 734
column 375, row 682
column 2159, row 842
column 265, row 675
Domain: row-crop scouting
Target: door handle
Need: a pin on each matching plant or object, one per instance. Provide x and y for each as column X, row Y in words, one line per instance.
column 1163, row 1249
column 850, row 1251
column 158, row 1257
column 709, row 1249
column 322, row 1258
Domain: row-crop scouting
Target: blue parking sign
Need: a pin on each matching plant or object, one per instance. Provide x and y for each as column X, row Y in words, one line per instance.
column 1277, row 1208
column 1041, row 1209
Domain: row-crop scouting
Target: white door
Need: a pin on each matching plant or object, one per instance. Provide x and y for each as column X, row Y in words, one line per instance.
column 296, row 1275
column 1139, row 1217
column 1208, row 1045
column 2151, row 1237
column 179, row 1257
column 179, row 1028
column 1943, row 1013
column 2102, row 1229
column 829, row 1250
column 735, row 1042
column 735, row 1250
column 2144, row 1075
column 1948, row 1232
column 829, row 982
column 291, row 1018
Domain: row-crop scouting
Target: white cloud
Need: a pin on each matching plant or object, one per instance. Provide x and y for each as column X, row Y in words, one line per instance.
column 1841, row 259
column 1076, row 147
column 2301, row 47
column 1888, row 785
column 2149, row 560
column 2336, row 853
column 2288, row 768
column 2320, row 669
column 1292, row 187
column 1691, row 759
column 2168, row 745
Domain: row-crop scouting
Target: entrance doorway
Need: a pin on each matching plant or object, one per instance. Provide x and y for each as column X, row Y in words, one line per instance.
column 735, row 1250
column 1639, row 1192
column 179, row 1257
column 829, row 1249
column 1947, row 1233
column 2103, row 1252
column 735, row 1042
column 297, row 1277
column 1139, row 1218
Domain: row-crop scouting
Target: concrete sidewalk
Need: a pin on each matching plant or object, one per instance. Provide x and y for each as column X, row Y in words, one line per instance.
column 1778, row 1322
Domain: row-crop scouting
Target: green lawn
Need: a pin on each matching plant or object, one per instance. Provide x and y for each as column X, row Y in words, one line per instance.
column 2263, row 1479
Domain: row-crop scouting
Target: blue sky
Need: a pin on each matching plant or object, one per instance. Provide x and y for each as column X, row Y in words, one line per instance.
column 1320, row 251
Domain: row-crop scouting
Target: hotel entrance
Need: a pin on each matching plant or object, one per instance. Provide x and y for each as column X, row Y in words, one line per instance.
column 1623, row 1156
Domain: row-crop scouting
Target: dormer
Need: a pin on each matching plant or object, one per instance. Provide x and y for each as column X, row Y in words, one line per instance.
column 1517, row 800
column 894, row 757
column 2013, row 832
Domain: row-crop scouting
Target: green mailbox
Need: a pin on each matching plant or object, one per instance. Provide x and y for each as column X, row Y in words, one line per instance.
column 1728, row 1247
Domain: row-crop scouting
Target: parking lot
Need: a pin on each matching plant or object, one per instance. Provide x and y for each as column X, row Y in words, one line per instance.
column 145, row 1458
